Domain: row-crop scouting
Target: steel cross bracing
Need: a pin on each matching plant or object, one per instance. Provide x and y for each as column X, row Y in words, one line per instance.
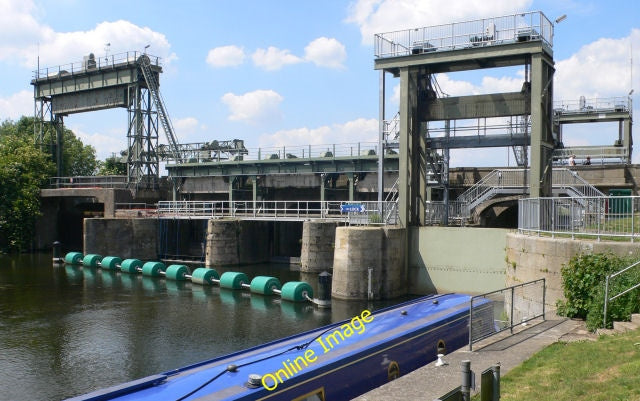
column 152, row 84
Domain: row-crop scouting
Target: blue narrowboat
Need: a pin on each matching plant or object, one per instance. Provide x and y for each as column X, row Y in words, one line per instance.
column 335, row 362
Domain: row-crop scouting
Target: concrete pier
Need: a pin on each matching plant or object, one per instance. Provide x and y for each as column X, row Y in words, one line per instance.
column 318, row 242
column 125, row 238
column 234, row 242
column 359, row 249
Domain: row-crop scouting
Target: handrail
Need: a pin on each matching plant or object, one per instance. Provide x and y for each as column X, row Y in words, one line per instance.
column 114, row 60
column 512, row 323
column 607, row 299
column 460, row 35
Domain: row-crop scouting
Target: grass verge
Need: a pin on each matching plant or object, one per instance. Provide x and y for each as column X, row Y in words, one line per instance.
column 606, row 369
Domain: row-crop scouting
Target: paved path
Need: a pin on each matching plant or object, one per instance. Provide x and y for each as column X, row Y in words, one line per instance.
column 430, row 382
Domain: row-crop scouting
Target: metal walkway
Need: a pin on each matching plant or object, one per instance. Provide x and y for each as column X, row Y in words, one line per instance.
column 353, row 213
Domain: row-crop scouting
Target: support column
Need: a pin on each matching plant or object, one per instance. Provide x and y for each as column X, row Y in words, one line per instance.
column 381, row 142
column 350, row 177
column 231, row 180
column 322, row 205
column 541, row 125
column 409, row 163
column 628, row 139
column 254, row 190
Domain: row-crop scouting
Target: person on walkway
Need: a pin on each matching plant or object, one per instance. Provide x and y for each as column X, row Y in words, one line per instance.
column 572, row 160
column 588, row 161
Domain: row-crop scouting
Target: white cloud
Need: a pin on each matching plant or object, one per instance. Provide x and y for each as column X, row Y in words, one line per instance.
column 323, row 52
column 185, row 128
column 104, row 144
column 17, row 105
column 326, row 52
column 23, row 37
column 599, row 69
column 273, row 58
column 254, row 107
column 226, row 56
column 378, row 16
column 359, row 130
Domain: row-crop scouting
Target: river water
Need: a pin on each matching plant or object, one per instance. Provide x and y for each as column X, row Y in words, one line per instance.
column 68, row 330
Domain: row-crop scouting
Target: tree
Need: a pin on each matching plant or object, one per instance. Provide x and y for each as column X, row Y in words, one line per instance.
column 112, row 166
column 24, row 169
column 77, row 158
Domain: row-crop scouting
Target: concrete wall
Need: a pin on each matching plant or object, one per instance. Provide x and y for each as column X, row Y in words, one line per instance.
column 233, row 242
column 530, row 258
column 318, row 241
column 456, row 259
column 125, row 238
column 359, row 248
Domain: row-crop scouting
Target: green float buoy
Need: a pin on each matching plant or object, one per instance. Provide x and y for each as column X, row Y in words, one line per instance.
column 233, row 280
column 296, row 290
column 73, row 258
column 91, row 260
column 204, row 276
column 131, row 265
column 110, row 262
column 177, row 272
column 152, row 269
column 264, row 285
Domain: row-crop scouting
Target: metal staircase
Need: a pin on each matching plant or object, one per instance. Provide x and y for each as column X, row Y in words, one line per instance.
column 514, row 181
column 153, row 86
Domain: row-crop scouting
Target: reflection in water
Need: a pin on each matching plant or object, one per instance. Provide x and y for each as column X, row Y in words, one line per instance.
column 65, row 331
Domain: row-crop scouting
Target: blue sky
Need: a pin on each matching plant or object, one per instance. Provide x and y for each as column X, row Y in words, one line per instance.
column 297, row 72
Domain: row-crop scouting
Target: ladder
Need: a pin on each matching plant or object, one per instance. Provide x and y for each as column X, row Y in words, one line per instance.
column 152, row 84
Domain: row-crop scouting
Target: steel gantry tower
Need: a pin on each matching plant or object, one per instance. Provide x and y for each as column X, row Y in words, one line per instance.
column 416, row 55
column 128, row 80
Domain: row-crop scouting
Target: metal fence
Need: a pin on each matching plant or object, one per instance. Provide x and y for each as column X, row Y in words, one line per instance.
column 510, row 307
column 355, row 149
column 100, row 181
column 355, row 213
column 603, row 217
column 106, row 61
column 436, row 212
column 468, row 34
column 582, row 105
column 612, row 291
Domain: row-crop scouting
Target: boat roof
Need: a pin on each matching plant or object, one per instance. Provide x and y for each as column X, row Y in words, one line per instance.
column 224, row 381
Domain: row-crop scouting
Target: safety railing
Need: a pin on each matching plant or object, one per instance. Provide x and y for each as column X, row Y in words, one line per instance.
column 606, row 217
column 601, row 154
column 326, row 151
column 567, row 179
column 461, row 35
column 94, row 63
column 91, row 181
column 436, row 212
column 357, row 213
column 595, row 105
column 628, row 282
column 508, row 307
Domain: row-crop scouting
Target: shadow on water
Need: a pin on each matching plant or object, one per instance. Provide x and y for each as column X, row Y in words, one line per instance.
column 68, row 330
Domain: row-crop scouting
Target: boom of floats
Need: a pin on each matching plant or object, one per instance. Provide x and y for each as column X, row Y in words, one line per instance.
column 338, row 361
column 295, row 291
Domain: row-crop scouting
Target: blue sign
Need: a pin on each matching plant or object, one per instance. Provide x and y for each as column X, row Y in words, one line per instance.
column 352, row 208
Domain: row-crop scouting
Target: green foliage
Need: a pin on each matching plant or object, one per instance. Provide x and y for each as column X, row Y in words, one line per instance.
column 375, row 218
column 77, row 158
column 24, row 169
column 112, row 166
column 583, row 282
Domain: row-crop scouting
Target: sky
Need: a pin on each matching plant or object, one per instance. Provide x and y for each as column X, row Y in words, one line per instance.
column 283, row 73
